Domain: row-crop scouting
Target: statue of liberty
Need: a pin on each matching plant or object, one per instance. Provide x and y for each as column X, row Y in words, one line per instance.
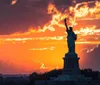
column 71, row 38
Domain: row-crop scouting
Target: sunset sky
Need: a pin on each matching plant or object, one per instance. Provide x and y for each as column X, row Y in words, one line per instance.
column 33, row 37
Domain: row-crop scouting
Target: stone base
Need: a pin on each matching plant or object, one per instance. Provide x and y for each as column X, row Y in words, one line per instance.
column 72, row 78
column 66, row 80
column 71, row 64
column 49, row 82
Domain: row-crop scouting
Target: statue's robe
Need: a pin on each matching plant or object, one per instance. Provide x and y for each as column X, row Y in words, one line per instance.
column 71, row 41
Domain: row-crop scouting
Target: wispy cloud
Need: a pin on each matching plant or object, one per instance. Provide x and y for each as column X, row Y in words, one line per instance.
column 46, row 48
column 13, row 2
column 42, row 65
column 87, row 50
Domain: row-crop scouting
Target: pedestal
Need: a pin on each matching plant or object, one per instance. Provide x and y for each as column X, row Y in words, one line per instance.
column 71, row 64
column 71, row 70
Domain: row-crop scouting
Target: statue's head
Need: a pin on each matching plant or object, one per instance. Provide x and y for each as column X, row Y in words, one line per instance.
column 71, row 29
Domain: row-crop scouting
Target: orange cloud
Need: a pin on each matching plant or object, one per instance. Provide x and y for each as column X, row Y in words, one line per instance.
column 14, row 2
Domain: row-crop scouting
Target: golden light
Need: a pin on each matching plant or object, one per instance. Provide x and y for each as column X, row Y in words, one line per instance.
column 45, row 43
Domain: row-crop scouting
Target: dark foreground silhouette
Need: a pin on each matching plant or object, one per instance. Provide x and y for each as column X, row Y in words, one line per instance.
column 29, row 80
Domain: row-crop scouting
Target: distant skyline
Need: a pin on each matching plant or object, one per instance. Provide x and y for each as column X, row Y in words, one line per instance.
column 33, row 38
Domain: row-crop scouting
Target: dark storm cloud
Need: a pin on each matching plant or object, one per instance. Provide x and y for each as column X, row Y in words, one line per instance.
column 62, row 2
column 78, row 1
column 92, row 59
column 25, row 13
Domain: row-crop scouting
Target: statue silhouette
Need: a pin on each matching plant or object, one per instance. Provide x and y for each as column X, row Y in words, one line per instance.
column 71, row 38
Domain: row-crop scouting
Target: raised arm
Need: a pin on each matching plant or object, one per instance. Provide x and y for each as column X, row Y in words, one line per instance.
column 66, row 24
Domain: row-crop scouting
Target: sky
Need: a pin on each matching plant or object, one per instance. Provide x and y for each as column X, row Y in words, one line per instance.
column 33, row 37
